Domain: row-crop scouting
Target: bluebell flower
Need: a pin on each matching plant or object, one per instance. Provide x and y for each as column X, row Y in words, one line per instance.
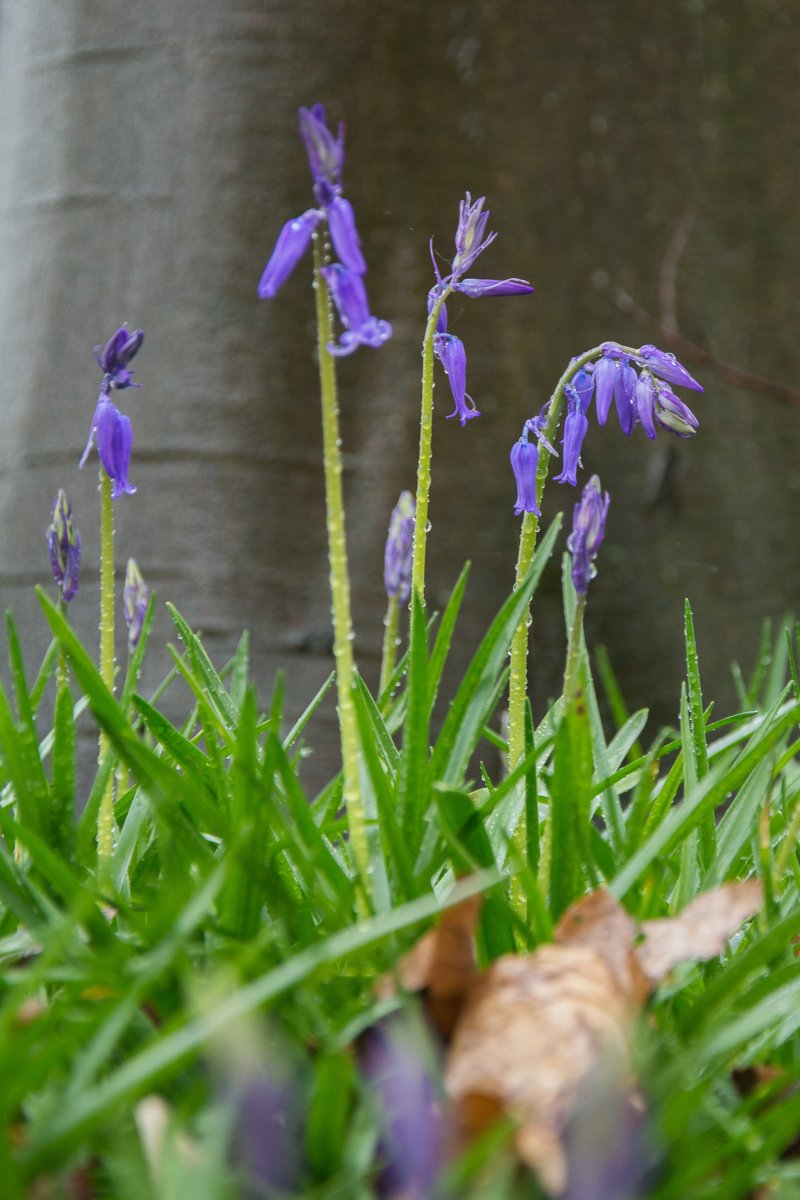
column 135, row 598
column 451, row 354
column 350, row 297
column 471, row 240
column 576, row 426
column 64, row 545
column 588, row 530
column 398, row 556
column 583, row 383
column 667, row 367
column 293, row 241
column 112, row 430
column 326, row 159
column 525, row 463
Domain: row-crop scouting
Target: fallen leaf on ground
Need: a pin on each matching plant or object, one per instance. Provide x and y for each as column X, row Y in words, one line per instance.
column 701, row 931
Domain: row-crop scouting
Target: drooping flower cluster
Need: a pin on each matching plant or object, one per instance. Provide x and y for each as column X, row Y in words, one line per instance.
column 588, row 530
column 110, row 427
column 636, row 382
column 64, row 544
column 471, row 240
column 398, row 556
column 344, row 277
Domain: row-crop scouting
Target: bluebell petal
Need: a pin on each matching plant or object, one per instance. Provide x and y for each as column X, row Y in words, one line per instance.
column 525, row 463
column 645, row 402
column 583, row 383
column 575, row 429
column 672, row 414
column 346, row 242
column 293, row 241
column 624, row 388
column 605, row 377
column 588, row 531
column 350, row 297
column 451, row 354
column 325, row 152
column 475, row 288
column 114, row 442
column 471, row 236
column 667, row 367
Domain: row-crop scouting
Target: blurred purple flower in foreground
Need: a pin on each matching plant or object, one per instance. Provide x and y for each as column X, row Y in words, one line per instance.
column 64, row 544
column 588, row 530
column 398, row 555
column 471, row 240
column 396, row 1059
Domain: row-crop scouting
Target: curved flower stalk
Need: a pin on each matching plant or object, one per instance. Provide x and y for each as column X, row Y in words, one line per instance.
column 471, row 240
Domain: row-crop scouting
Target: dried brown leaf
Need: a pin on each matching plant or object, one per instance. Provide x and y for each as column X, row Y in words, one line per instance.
column 601, row 923
column 701, row 931
column 532, row 1029
column 443, row 964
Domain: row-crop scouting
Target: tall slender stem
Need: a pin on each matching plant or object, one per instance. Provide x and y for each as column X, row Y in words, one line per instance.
column 339, row 575
column 389, row 656
column 105, row 812
column 574, row 651
column 425, row 442
column 518, row 680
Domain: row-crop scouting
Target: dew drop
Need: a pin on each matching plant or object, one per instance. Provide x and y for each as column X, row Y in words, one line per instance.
column 428, row 526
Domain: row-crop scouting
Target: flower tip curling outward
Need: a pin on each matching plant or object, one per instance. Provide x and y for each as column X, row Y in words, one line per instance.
column 135, row 597
column 451, row 354
column 475, row 288
column 398, row 557
column 588, row 530
column 470, row 240
column 350, row 298
column 64, row 545
column 525, row 463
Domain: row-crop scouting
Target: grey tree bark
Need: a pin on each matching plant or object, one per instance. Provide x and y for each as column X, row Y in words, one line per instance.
column 148, row 156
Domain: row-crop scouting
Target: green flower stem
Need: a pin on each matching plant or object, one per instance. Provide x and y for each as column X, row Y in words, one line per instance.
column 518, row 675
column 424, row 464
column 389, row 657
column 518, row 681
column 339, row 575
column 105, row 812
column 572, row 668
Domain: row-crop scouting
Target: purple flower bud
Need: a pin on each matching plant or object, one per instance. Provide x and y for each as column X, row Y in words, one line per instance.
column 398, row 556
column 624, row 388
column 64, row 544
column 470, row 240
column 672, row 414
column 350, row 298
column 645, row 402
column 474, row 288
column 325, row 152
column 575, row 428
column 113, row 358
column 667, row 367
column 293, row 241
column 588, row 530
column 524, row 463
column 583, row 383
column 135, row 597
column 346, row 242
column 605, row 378
column 451, row 354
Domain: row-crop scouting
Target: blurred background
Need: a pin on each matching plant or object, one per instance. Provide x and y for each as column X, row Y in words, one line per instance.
column 642, row 166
